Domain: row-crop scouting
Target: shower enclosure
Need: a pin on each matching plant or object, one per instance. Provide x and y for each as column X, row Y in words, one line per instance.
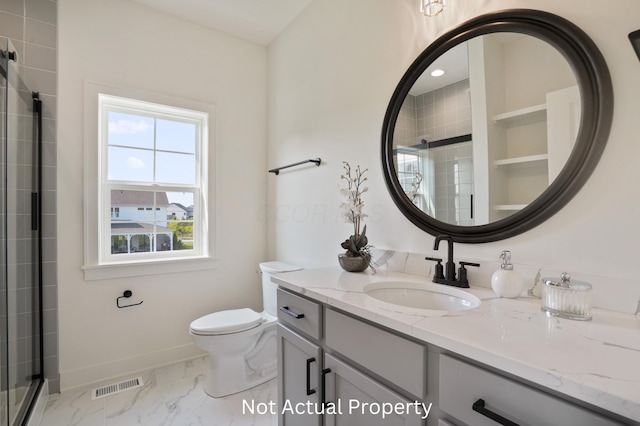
column 21, row 362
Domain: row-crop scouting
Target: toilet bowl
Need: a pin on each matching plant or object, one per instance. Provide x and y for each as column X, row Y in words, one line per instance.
column 241, row 343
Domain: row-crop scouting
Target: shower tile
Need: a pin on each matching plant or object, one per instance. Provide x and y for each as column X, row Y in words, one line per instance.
column 13, row 6
column 48, row 178
column 11, row 25
column 450, row 129
column 51, row 341
column 49, row 270
column 50, row 323
column 49, row 154
column 41, row 33
column 50, row 295
column 48, row 130
column 51, row 365
column 41, row 10
column 48, row 202
column 49, row 250
column 49, row 226
column 464, row 127
column 41, row 81
column 40, row 57
column 49, row 107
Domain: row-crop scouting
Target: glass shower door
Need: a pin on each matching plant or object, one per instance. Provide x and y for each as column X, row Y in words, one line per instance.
column 22, row 372
column 3, row 259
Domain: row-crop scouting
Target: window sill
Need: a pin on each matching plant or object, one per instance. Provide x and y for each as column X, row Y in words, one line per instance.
column 151, row 267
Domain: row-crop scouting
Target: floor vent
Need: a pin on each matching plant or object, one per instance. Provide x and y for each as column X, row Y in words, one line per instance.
column 116, row 388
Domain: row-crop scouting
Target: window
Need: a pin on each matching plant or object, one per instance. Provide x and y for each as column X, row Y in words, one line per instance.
column 152, row 156
column 149, row 184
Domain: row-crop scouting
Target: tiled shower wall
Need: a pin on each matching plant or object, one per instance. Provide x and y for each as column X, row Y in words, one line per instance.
column 31, row 26
column 448, row 170
column 444, row 113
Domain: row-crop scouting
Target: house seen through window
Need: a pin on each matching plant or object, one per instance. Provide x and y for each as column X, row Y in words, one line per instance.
column 152, row 180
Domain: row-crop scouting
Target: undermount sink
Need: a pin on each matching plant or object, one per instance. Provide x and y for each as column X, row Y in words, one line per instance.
column 415, row 296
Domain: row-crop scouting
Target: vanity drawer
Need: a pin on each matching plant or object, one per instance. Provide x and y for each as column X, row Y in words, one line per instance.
column 462, row 385
column 302, row 314
column 370, row 347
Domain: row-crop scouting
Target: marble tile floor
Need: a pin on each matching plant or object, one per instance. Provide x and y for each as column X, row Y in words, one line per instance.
column 171, row 396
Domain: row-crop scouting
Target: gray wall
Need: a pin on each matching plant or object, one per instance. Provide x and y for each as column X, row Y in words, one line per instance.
column 31, row 26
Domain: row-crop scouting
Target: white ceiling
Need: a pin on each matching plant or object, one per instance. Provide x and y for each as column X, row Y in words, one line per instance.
column 454, row 63
column 259, row 21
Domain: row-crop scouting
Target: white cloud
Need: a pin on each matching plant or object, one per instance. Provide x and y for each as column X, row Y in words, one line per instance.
column 135, row 163
column 128, row 127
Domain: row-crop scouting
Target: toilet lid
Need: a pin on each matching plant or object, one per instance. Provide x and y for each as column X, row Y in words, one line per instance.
column 226, row 322
column 276, row 267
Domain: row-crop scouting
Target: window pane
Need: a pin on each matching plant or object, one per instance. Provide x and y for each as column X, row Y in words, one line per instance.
column 128, row 164
column 140, row 243
column 130, row 130
column 146, row 221
column 164, row 241
column 180, row 205
column 180, row 219
column 119, row 244
column 175, row 136
column 176, row 168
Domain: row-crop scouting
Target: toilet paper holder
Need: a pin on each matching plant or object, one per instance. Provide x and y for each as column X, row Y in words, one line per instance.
column 126, row 294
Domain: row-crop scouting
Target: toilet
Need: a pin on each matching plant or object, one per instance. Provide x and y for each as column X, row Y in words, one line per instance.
column 241, row 343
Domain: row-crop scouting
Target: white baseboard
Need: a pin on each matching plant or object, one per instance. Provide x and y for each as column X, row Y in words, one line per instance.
column 87, row 376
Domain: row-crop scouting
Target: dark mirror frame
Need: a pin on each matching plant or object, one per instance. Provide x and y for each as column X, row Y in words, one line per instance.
column 594, row 82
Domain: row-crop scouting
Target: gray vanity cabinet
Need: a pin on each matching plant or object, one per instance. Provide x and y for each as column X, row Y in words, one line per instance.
column 311, row 369
column 299, row 333
column 393, row 358
column 299, row 366
column 327, row 354
column 473, row 395
column 361, row 399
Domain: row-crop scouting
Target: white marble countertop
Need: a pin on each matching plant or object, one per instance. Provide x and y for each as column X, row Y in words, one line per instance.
column 596, row 361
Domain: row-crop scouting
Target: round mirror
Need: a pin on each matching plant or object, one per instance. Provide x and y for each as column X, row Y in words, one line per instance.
column 496, row 125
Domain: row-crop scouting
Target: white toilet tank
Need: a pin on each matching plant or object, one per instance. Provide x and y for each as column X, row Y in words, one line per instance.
column 267, row 269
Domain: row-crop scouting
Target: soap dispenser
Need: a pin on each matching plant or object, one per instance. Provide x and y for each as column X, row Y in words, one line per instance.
column 507, row 282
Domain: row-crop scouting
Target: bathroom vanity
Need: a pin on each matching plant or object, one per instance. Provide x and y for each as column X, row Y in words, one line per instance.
column 346, row 359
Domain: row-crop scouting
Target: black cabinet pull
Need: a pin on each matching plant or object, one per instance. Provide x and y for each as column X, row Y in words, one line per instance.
column 479, row 407
column 309, row 390
column 324, row 385
column 286, row 310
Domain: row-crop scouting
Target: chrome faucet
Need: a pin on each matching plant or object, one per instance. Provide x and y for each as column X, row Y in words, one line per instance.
column 447, row 275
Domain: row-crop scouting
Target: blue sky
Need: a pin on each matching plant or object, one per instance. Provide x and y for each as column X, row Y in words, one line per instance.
column 132, row 139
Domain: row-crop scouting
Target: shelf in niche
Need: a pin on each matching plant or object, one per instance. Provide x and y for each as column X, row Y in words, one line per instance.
column 532, row 114
column 529, row 160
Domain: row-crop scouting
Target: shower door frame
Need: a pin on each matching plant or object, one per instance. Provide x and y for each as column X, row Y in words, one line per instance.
column 32, row 287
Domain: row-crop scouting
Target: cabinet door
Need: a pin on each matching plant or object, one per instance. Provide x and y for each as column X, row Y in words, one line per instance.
column 299, row 362
column 360, row 400
column 478, row 397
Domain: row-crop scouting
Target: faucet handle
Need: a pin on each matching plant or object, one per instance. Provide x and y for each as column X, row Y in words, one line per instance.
column 439, row 272
column 462, row 272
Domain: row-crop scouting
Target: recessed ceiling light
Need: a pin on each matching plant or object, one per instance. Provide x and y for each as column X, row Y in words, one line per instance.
column 437, row 73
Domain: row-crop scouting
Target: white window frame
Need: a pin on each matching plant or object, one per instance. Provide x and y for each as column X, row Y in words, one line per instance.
column 99, row 262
